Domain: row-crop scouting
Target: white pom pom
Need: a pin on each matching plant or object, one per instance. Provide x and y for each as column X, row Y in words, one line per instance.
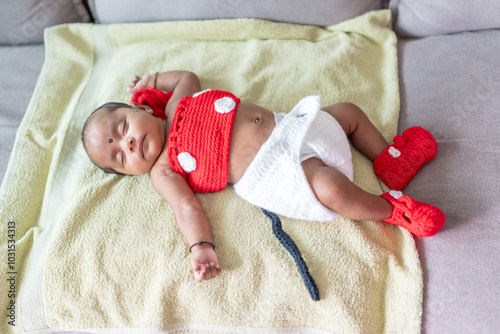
column 395, row 194
column 224, row 105
column 394, row 152
column 187, row 162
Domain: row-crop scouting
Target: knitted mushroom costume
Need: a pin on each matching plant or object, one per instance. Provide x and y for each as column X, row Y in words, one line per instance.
column 198, row 149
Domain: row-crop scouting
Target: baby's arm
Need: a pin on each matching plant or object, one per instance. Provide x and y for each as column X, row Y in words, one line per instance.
column 180, row 83
column 165, row 81
column 191, row 219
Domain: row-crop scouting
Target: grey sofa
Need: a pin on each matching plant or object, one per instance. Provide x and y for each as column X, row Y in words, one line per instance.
column 449, row 63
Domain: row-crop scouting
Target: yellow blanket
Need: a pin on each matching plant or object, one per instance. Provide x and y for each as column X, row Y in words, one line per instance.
column 93, row 251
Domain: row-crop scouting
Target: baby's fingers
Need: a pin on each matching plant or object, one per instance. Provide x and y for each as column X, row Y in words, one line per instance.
column 135, row 81
column 132, row 88
column 213, row 270
column 206, row 272
column 200, row 273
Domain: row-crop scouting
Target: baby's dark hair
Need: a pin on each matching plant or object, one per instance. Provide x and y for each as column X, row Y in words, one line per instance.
column 109, row 107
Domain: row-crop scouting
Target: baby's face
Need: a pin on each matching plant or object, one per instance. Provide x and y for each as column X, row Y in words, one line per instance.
column 126, row 140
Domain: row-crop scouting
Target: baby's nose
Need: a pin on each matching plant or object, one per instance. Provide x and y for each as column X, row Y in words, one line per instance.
column 130, row 144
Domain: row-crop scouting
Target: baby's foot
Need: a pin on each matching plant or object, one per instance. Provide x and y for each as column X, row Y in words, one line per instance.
column 399, row 162
column 421, row 219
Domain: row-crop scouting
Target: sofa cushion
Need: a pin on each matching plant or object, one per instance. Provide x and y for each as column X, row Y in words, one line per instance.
column 23, row 21
column 20, row 67
column 316, row 12
column 450, row 85
column 417, row 18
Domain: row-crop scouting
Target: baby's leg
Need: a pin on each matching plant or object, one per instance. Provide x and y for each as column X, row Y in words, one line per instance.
column 396, row 164
column 335, row 191
column 363, row 135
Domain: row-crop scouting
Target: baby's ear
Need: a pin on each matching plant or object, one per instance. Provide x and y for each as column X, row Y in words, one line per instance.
column 142, row 107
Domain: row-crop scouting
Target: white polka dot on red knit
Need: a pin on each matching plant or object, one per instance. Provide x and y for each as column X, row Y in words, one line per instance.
column 394, row 152
column 224, row 105
column 187, row 162
column 201, row 92
column 396, row 194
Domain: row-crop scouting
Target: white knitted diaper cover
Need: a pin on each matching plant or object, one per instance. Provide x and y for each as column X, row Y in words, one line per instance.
column 275, row 179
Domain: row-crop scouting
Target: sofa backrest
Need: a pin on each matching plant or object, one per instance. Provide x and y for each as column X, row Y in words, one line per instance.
column 419, row 18
column 23, row 21
column 314, row 12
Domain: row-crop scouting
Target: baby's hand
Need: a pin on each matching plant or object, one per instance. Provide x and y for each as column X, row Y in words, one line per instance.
column 205, row 264
column 138, row 83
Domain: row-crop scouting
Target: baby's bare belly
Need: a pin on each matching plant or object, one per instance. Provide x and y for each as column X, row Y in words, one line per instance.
column 252, row 127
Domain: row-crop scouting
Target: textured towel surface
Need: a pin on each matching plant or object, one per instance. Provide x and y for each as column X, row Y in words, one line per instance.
column 96, row 251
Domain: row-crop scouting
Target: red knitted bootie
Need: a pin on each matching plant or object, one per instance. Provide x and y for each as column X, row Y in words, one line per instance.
column 399, row 162
column 425, row 220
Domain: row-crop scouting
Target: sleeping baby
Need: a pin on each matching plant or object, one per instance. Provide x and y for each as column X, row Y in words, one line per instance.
column 297, row 164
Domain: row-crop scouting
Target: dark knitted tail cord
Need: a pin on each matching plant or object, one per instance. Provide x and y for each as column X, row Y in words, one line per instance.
column 290, row 245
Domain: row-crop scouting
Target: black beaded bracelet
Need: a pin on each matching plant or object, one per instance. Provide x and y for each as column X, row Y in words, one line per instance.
column 154, row 84
column 200, row 243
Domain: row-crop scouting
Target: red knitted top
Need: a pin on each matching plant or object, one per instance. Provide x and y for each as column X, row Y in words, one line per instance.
column 199, row 139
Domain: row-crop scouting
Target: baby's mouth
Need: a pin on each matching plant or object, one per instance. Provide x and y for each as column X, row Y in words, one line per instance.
column 141, row 146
